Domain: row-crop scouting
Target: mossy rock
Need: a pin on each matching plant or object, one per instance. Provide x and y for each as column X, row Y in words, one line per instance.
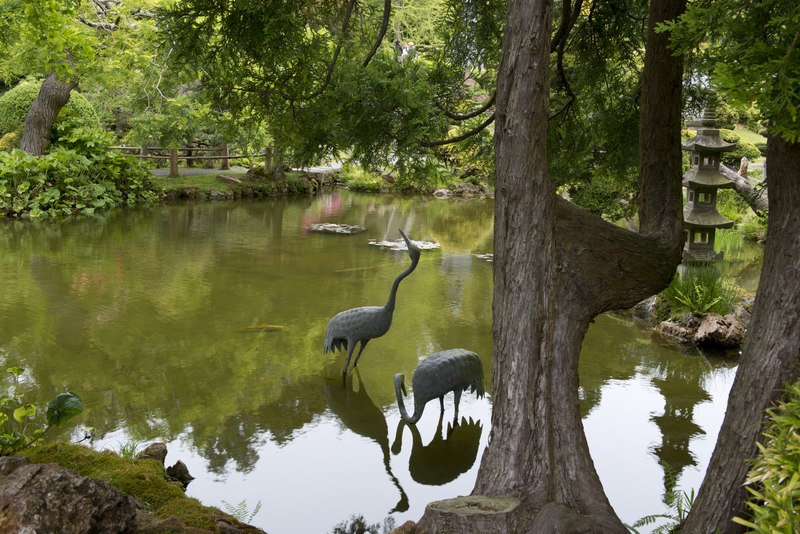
column 143, row 479
column 15, row 103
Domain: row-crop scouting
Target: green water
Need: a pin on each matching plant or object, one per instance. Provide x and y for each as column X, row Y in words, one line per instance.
column 203, row 325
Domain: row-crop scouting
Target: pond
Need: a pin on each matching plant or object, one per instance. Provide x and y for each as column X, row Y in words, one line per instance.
column 202, row 325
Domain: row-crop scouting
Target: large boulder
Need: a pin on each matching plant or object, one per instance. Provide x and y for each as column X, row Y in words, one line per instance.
column 50, row 498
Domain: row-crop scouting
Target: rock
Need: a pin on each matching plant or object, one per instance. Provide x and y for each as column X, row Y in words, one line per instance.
column 400, row 244
column 331, row 228
column 180, row 472
column 443, row 193
column 718, row 331
column 675, row 331
column 156, row 451
column 409, row 527
column 49, row 498
column 219, row 195
column 229, row 179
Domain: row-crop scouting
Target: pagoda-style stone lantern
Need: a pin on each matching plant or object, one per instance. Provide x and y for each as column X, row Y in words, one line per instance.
column 700, row 215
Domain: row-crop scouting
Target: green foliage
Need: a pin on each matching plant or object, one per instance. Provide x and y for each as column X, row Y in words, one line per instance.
column 730, row 242
column 699, row 291
column 750, row 50
column 744, row 149
column 15, row 103
column 129, row 448
column 774, row 480
column 358, row 179
column 66, row 182
column 358, row 525
column 241, row 511
column 754, row 228
column 20, row 427
column 732, row 205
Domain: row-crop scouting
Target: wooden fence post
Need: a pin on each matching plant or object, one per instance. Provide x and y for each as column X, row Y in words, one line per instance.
column 224, row 166
column 173, row 162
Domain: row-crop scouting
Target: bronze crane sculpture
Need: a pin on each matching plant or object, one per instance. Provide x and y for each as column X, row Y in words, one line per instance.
column 361, row 324
column 436, row 375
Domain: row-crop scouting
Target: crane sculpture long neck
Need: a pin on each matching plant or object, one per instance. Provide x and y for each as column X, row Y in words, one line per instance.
column 389, row 306
column 399, row 382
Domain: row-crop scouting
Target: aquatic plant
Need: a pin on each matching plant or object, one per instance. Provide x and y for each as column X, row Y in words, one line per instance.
column 19, row 425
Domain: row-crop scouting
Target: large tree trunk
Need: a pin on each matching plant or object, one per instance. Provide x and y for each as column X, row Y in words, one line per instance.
column 770, row 357
column 555, row 268
column 53, row 96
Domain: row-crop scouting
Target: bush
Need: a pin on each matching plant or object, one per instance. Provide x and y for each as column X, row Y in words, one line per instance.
column 774, row 480
column 15, row 103
column 744, row 149
column 64, row 182
column 357, row 179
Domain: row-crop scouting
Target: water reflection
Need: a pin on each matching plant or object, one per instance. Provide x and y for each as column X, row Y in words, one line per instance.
column 203, row 325
column 356, row 411
column 443, row 459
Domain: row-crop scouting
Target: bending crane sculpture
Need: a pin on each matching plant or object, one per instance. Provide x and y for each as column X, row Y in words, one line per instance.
column 453, row 370
column 349, row 327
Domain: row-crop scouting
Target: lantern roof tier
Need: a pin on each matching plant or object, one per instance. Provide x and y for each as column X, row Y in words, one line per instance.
column 708, row 141
column 705, row 177
column 704, row 217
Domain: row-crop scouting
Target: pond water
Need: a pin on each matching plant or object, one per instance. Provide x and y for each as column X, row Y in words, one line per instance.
column 202, row 325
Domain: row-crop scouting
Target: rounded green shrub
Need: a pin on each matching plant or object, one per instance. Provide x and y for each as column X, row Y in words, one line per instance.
column 744, row 149
column 15, row 103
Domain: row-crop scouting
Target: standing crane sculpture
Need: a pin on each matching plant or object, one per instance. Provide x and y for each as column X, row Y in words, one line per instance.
column 436, row 375
column 359, row 325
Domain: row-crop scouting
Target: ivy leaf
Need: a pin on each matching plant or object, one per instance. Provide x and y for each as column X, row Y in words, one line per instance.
column 62, row 408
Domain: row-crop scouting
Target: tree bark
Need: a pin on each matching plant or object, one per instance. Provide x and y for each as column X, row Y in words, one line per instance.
column 756, row 200
column 555, row 268
column 770, row 358
column 53, row 96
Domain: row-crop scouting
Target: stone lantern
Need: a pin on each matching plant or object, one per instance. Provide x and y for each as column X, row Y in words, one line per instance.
column 700, row 215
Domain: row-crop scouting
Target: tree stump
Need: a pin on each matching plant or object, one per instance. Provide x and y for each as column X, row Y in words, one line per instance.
column 475, row 513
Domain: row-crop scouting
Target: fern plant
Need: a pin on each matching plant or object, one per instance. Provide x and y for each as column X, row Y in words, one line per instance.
column 241, row 511
column 679, row 502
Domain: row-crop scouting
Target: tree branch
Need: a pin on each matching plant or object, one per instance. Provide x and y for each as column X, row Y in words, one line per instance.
column 461, row 137
column 471, row 114
column 387, row 11
column 331, row 65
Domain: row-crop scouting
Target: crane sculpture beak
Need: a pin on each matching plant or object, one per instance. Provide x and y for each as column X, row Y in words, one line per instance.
column 412, row 248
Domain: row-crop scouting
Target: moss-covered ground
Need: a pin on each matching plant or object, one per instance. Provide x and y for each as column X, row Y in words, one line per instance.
column 143, row 479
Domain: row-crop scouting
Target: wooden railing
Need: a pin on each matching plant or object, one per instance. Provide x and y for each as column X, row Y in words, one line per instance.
column 183, row 153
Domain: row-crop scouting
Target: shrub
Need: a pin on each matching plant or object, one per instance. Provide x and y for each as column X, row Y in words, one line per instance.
column 744, row 149
column 357, row 179
column 15, row 103
column 65, row 182
column 774, row 480
column 699, row 291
